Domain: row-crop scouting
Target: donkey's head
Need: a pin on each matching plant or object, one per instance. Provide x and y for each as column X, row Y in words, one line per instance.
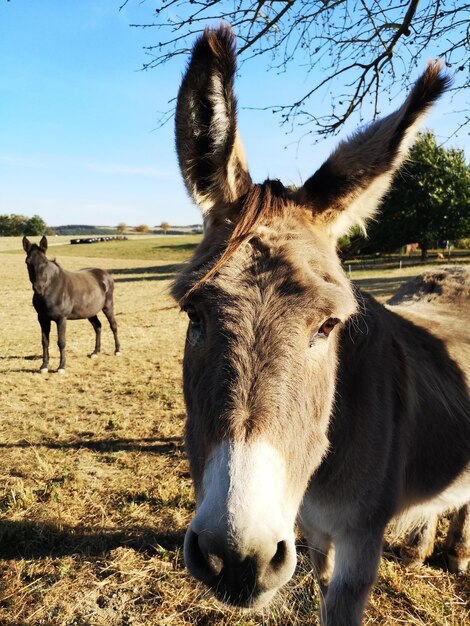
column 265, row 295
column 37, row 264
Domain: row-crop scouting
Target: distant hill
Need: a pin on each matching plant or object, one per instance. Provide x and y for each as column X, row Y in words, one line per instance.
column 83, row 229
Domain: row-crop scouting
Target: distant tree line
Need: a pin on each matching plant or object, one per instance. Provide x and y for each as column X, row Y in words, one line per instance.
column 83, row 229
column 14, row 225
column 164, row 228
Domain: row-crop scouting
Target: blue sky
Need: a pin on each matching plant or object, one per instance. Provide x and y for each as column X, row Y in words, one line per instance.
column 78, row 143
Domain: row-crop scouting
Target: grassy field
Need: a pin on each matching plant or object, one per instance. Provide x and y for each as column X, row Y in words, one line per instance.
column 95, row 494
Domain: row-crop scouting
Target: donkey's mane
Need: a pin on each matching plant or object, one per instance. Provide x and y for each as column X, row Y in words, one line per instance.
column 261, row 204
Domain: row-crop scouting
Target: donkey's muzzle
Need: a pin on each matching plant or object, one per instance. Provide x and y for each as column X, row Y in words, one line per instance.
column 39, row 287
column 242, row 578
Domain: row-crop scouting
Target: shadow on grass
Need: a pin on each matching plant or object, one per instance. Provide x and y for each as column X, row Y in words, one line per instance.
column 462, row 587
column 379, row 287
column 182, row 247
column 32, row 540
column 29, row 357
column 20, row 357
column 135, row 274
column 437, row 561
column 163, row 445
column 29, row 370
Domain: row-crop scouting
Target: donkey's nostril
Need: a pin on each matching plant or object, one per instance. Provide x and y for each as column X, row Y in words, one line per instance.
column 279, row 558
column 194, row 550
column 203, row 563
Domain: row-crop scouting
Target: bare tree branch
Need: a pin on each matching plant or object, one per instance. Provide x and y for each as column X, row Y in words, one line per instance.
column 366, row 42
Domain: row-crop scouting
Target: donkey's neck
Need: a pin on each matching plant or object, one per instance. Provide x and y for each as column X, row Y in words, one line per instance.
column 53, row 276
column 53, row 268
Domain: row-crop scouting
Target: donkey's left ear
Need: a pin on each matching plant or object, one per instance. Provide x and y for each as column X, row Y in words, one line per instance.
column 210, row 152
column 349, row 186
column 26, row 245
column 43, row 243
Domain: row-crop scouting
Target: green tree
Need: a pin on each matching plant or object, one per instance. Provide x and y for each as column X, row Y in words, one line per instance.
column 14, row 225
column 35, row 226
column 165, row 227
column 429, row 201
column 122, row 227
column 4, row 225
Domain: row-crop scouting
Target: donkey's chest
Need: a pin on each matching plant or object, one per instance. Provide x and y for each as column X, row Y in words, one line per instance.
column 51, row 305
column 323, row 512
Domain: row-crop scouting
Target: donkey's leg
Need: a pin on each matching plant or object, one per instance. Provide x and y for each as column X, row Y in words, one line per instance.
column 420, row 543
column 458, row 541
column 357, row 557
column 45, row 331
column 61, row 326
column 321, row 554
column 95, row 322
column 108, row 310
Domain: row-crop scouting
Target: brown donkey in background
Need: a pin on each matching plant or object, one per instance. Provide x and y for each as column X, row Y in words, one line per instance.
column 306, row 400
column 60, row 295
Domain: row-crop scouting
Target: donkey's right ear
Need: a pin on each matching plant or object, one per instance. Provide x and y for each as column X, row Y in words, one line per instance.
column 27, row 245
column 210, row 152
column 43, row 243
column 347, row 189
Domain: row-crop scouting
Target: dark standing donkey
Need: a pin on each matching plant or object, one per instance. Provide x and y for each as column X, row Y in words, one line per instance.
column 60, row 295
column 307, row 399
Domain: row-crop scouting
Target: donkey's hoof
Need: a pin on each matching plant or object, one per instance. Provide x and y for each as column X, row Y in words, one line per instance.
column 43, row 370
column 94, row 355
column 61, row 371
column 457, row 565
column 411, row 558
column 117, row 354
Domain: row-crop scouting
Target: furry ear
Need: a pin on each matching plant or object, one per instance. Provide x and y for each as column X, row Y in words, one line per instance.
column 349, row 186
column 210, row 152
column 43, row 243
column 26, row 245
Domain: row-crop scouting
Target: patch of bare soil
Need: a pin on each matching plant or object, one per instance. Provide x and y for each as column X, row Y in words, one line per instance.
column 443, row 285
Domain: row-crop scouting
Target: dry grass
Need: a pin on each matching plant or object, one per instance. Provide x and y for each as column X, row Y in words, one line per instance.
column 94, row 487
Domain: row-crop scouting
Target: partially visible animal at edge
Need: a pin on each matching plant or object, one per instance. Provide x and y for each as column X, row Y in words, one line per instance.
column 306, row 399
column 60, row 295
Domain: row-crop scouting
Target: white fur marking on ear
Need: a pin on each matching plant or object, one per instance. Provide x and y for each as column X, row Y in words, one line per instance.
column 220, row 123
column 409, row 138
column 203, row 201
column 237, row 158
column 364, row 204
column 194, row 122
column 362, row 207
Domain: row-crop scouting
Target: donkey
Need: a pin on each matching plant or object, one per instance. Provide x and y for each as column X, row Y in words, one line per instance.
column 305, row 399
column 60, row 295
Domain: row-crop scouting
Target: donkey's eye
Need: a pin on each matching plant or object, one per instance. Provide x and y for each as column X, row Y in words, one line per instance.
column 196, row 328
column 192, row 314
column 324, row 330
